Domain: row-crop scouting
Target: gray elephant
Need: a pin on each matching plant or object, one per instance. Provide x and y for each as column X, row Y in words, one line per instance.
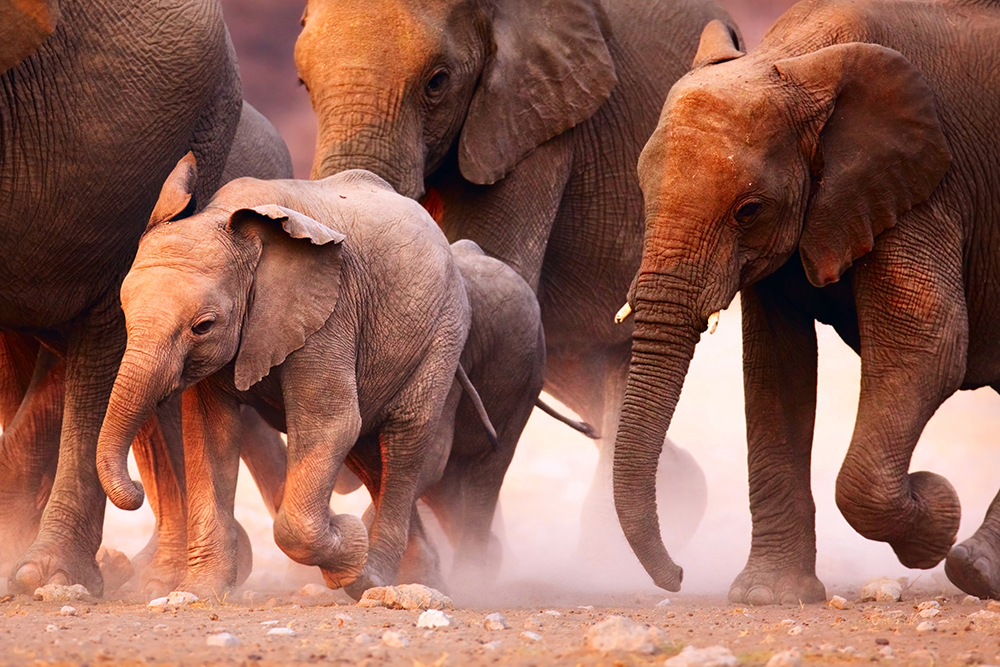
column 520, row 122
column 104, row 107
column 335, row 309
column 837, row 174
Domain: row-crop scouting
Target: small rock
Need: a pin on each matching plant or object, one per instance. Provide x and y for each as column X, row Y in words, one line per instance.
column 786, row 622
column 795, row 631
column 269, row 622
column 713, row 656
column 984, row 615
column 847, row 650
column 929, row 604
column 886, row 652
column 343, row 619
column 60, row 593
column 790, row 658
column 363, row 639
column 434, row 618
column 174, row 600
column 552, row 612
column 926, row 626
column 281, row 632
column 665, row 602
column 881, row 641
column 618, row 633
column 492, row 646
column 531, row 636
column 394, row 639
column 406, row 596
column 882, row 589
column 533, row 623
column 837, row 602
column 586, row 607
column 67, row 611
column 993, row 605
column 928, row 613
column 312, row 590
column 223, row 639
column 970, row 599
column 51, row 628
column 495, row 621
column 827, row 647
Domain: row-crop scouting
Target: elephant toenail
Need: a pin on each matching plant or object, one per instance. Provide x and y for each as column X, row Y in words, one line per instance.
column 760, row 596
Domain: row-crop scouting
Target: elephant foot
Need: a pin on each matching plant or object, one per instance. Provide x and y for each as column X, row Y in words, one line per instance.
column 158, row 573
column 44, row 564
column 361, row 584
column 216, row 573
column 974, row 566
column 929, row 537
column 19, row 520
column 115, row 567
column 761, row 587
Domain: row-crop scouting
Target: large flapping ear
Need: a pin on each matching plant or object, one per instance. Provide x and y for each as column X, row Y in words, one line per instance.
column 551, row 70
column 881, row 150
column 719, row 43
column 295, row 286
column 26, row 24
column 177, row 194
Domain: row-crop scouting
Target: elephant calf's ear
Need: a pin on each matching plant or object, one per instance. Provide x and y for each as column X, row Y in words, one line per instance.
column 295, row 286
column 719, row 43
column 177, row 194
column 881, row 149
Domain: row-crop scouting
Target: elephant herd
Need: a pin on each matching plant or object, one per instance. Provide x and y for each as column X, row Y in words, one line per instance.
column 166, row 286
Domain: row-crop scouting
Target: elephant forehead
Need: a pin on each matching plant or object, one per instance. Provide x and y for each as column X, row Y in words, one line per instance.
column 182, row 244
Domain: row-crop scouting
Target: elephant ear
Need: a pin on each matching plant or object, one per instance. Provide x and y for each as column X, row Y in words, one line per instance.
column 295, row 286
column 551, row 70
column 719, row 43
column 177, row 194
column 26, row 24
column 880, row 152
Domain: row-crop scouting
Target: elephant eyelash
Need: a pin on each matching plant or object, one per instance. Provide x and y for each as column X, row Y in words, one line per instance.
column 303, row 84
column 747, row 211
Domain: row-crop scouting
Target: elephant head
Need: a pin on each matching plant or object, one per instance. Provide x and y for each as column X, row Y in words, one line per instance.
column 246, row 284
column 399, row 84
column 27, row 23
column 756, row 159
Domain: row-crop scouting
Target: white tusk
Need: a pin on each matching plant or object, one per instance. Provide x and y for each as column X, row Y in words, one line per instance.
column 623, row 313
column 713, row 322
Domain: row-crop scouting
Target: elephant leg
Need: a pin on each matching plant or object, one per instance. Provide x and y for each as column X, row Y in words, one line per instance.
column 265, row 456
column 420, row 563
column 913, row 328
column 212, row 425
column 32, row 382
column 779, row 376
column 72, row 524
column 159, row 455
column 974, row 565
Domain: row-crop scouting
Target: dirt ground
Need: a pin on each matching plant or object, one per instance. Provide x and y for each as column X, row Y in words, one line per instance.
column 119, row 632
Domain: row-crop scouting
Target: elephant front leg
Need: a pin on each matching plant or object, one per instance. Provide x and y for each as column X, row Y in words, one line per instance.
column 72, row 524
column 779, row 375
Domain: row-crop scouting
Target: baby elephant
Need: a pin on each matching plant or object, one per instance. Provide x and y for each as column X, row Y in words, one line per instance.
column 336, row 310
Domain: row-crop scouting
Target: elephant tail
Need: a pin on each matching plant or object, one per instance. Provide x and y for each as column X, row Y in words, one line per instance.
column 581, row 426
column 463, row 379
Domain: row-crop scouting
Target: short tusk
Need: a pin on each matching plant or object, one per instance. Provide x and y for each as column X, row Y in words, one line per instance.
column 623, row 313
column 713, row 322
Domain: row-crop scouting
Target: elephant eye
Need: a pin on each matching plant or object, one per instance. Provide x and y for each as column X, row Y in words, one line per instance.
column 747, row 212
column 203, row 326
column 437, row 83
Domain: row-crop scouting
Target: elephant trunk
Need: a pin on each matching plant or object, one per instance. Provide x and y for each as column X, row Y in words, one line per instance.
column 138, row 388
column 663, row 343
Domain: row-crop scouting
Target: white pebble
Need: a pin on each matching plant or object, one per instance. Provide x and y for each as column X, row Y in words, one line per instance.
column 926, row 626
column 343, row 619
column 552, row 612
column 837, row 602
column 434, row 618
column 51, row 628
column 665, row 602
column 886, row 652
column 531, row 636
column 492, row 646
column 929, row 604
column 797, row 630
column 395, row 639
column 619, row 633
column 928, row 613
column 281, row 632
column 713, row 656
column 269, row 622
column 882, row 589
column 790, row 658
column 970, row 599
column 67, row 611
column 362, row 639
column 588, row 607
column 223, row 639
column 495, row 621
column 786, row 623
column 60, row 593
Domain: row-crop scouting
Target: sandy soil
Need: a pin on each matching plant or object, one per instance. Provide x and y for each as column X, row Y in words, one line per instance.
column 124, row 633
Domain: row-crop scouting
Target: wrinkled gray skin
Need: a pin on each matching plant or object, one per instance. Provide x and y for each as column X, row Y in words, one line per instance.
column 834, row 174
column 96, row 105
column 522, row 121
column 257, row 151
column 356, row 338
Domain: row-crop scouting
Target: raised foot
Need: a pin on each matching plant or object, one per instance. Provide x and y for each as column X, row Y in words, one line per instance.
column 974, row 566
column 48, row 564
column 759, row 588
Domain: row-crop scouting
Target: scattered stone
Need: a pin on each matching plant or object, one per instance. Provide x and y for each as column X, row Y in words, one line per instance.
column 67, row 611
column 837, row 602
column 786, row 622
column 531, row 636
column 223, row 639
column 665, row 602
column 929, row 604
column 492, row 646
column 533, row 623
column 495, row 621
column 926, row 626
column 587, row 607
column 881, row 641
column 363, row 639
column 269, row 622
column 847, row 650
column 983, row 615
column 827, row 647
column 174, row 600
column 394, row 639
column 929, row 613
column 970, row 599
column 713, row 656
column 882, row 589
column 795, row 631
column 790, row 658
column 342, row 620
column 281, row 632
column 406, row 596
column 60, row 593
column 160, row 627
column 618, row 633
column 552, row 612
column 886, row 652
column 51, row 628
column 993, row 605
column 433, row 619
